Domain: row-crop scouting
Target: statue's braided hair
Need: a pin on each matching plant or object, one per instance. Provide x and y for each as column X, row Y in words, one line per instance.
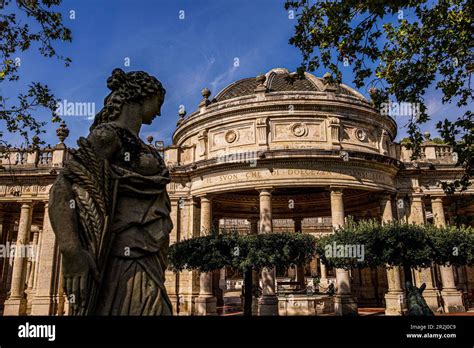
column 127, row 88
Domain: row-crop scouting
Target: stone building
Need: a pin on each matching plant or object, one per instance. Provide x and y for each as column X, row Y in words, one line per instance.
column 267, row 154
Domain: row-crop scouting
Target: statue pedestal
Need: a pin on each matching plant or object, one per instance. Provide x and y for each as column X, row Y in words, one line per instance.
column 206, row 305
column 42, row 305
column 395, row 303
column 452, row 301
column 15, row 306
column 268, row 305
column 345, row 305
column 431, row 297
column 254, row 306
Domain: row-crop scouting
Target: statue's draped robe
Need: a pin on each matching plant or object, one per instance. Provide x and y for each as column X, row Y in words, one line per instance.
column 133, row 280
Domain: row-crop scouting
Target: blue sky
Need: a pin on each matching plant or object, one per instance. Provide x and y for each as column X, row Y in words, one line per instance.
column 186, row 55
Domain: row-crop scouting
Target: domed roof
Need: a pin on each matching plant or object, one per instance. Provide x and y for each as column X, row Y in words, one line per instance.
column 281, row 80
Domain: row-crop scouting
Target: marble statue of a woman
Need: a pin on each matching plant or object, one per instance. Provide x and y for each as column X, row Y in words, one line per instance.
column 109, row 208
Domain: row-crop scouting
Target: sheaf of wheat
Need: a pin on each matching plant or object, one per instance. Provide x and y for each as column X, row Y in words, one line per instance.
column 90, row 217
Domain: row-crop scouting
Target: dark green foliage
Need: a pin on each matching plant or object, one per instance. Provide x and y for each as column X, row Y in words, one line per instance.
column 242, row 252
column 452, row 245
column 203, row 253
column 18, row 34
column 398, row 244
column 393, row 244
column 414, row 46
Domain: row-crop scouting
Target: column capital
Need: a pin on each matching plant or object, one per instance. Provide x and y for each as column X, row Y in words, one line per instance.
column 27, row 204
column 416, row 196
column 265, row 189
column 437, row 199
column 205, row 197
column 336, row 190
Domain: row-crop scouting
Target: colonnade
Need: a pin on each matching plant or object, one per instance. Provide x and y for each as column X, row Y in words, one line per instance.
column 344, row 301
column 31, row 281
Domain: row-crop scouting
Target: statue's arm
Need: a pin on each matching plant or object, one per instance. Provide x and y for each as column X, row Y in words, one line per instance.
column 105, row 142
column 63, row 216
column 78, row 264
column 62, row 212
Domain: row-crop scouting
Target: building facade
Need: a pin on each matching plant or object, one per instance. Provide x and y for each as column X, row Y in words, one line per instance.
column 267, row 154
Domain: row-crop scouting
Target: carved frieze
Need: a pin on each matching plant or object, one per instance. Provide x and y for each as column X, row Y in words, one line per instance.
column 361, row 134
column 318, row 175
column 287, row 129
column 335, row 129
column 262, row 131
column 202, row 138
column 299, row 129
column 230, row 136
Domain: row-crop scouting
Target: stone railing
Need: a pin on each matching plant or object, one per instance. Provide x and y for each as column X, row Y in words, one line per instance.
column 431, row 152
column 45, row 156
column 33, row 158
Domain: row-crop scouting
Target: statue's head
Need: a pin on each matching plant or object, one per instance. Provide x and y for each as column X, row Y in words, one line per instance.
column 135, row 87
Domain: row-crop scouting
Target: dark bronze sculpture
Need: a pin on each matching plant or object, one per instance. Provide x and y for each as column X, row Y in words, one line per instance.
column 110, row 210
column 415, row 302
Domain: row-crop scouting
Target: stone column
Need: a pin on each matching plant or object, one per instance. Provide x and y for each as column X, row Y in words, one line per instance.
column 34, row 259
column 452, row 297
column 206, row 302
column 7, row 231
column 417, row 216
column 254, row 231
column 299, row 269
column 344, row 303
column 44, row 299
column 438, row 211
column 255, row 276
column 395, row 299
column 417, row 210
column 171, row 278
column 323, row 280
column 16, row 303
column 268, row 303
column 217, row 291
column 62, row 307
column 188, row 281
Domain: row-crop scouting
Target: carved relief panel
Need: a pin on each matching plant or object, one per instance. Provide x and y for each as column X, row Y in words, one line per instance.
column 231, row 136
column 359, row 135
column 302, row 129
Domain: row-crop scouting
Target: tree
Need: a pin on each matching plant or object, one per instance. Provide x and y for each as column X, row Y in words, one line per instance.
column 396, row 244
column 412, row 44
column 245, row 253
column 16, row 36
